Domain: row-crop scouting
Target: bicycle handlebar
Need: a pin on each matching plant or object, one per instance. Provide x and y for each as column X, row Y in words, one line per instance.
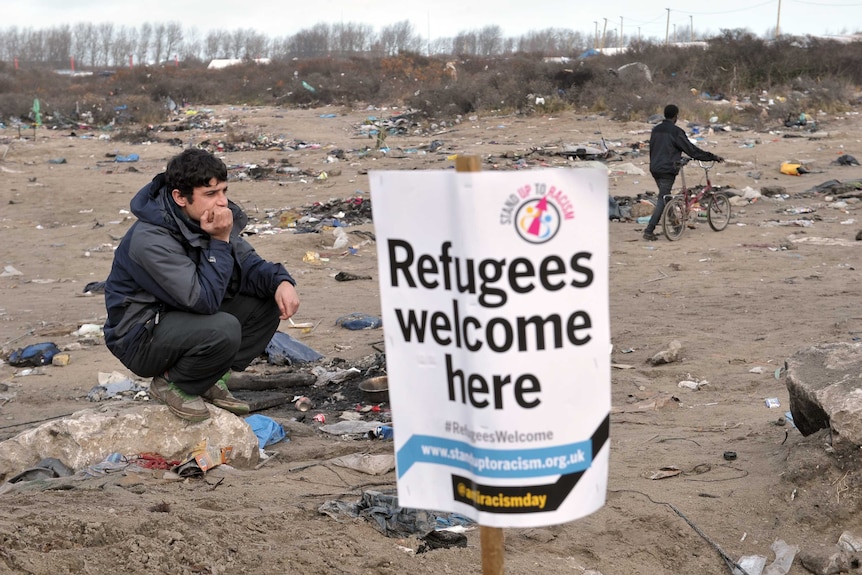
column 705, row 164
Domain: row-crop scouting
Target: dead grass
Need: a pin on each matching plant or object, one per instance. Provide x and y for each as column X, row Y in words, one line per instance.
column 797, row 74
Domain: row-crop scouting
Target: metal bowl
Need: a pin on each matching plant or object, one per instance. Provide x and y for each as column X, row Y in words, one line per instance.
column 376, row 389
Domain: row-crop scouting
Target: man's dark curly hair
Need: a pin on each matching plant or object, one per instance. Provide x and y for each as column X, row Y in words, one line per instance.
column 193, row 168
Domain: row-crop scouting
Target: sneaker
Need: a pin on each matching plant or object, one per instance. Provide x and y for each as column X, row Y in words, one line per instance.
column 220, row 396
column 183, row 405
column 650, row 237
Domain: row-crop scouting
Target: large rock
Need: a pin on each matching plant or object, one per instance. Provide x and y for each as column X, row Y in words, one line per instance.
column 825, row 387
column 88, row 436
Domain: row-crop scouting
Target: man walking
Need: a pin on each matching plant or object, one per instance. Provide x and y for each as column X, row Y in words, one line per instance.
column 667, row 143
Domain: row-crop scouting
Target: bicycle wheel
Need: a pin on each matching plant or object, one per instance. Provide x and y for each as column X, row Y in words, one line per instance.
column 674, row 218
column 718, row 211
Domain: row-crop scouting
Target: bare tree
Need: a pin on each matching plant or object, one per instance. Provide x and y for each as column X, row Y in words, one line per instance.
column 160, row 42
column 58, row 44
column 144, row 38
column 490, row 41
column 399, row 37
column 173, row 39
column 552, row 42
column 351, row 37
column 465, row 43
column 256, row 45
column 213, row 44
column 123, row 46
column 105, row 33
column 31, row 45
column 192, row 48
column 442, row 46
column 314, row 41
column 85, row 42
column 236, row 43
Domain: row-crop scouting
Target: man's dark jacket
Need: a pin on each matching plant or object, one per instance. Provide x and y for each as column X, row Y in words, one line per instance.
column 667, row 143
column 167, row 262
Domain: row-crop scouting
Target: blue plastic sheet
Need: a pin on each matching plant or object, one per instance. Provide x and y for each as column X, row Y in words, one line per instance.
column 267, row 430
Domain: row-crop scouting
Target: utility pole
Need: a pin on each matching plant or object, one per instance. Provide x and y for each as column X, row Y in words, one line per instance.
column 690, row 28
column 674, row 33
column 667, row 27
column 778, row 22
column 621, row 33
column 605, row 33
column 596, row 37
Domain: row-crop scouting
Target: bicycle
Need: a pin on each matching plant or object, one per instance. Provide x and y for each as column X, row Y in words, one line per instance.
column 678, row 209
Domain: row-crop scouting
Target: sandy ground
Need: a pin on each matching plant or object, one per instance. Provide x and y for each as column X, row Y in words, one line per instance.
column 783, row 276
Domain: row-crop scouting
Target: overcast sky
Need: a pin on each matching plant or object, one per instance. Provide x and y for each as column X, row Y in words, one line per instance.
column 445, row 18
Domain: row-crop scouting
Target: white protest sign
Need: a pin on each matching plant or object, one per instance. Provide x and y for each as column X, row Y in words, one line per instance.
column 494, row 292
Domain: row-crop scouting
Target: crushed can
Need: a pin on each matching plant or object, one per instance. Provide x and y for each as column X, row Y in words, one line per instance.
column 381, row 432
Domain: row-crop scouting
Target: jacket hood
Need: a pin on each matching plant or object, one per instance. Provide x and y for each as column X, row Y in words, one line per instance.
column 154, row 204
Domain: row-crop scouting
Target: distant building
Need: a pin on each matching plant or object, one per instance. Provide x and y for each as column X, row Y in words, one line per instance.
column 220, row 63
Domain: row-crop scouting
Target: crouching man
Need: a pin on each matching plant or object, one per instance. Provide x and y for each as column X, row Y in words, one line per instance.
column 188, row 299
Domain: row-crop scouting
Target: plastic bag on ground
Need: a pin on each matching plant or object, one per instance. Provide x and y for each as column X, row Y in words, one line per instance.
column 284, row 350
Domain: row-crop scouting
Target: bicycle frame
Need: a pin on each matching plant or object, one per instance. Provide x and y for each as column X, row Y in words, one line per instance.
column 675, row 217
column 691, row 198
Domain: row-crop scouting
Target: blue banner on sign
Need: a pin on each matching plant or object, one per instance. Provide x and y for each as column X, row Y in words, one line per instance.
column 497, row 463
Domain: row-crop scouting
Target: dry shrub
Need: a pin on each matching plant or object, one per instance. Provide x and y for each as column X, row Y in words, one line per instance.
column 799, row 74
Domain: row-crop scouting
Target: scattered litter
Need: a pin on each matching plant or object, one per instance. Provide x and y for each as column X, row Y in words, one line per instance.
column 33, row 355
column 793, row 169
column 392, row 520
column 692, row 384
column 367, row 462
column 94, row 288
column 202, row 458
column 846, row 160
column 665, row 472
column 112, row 385
column 267, row 430
column 357, row 428
column 285, row 350
column 339, row 375
column 669, row 355
column 9, row 271
column 89, row 329
column 357, row 320
column 47, row 468
column 347, row 276
column 772, row 402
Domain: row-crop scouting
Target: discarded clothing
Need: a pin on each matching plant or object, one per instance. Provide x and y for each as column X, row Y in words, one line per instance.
column 48, row 468
column 387, row 517
column 33, row 355
column 846, row 160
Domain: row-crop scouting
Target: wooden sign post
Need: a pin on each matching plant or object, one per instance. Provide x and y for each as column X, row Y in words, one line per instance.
column 491, row 538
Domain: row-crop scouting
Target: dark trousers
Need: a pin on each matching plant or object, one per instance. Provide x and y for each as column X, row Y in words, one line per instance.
column 197, row 350
column 665, row 184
